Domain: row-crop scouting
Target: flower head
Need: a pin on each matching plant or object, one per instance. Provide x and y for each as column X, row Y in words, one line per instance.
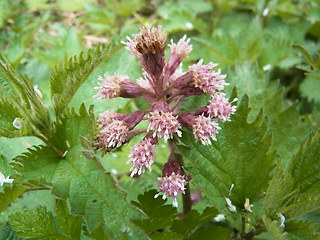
column 110, row 86
column 220, row 108
column 163, row 124
column 4, row 179
column 207, row 80
column 182, row 47
column 204, row 129
column 142, row 155
column 106, row 118
column 148, row 40
column 112, row 135
column 172, row 186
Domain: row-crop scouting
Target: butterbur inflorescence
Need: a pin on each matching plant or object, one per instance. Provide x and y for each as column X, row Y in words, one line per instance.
column 164, row 85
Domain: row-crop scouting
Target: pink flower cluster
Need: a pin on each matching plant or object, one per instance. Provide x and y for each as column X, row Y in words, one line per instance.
column 164, row 86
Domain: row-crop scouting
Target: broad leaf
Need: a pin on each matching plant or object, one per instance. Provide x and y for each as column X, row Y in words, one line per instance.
column 6, row 233
column 302, row 230
column 36, row 224
column 294, row 191
column 160, row 216
column 193, row 220
column 240, row 158
column 10, row 194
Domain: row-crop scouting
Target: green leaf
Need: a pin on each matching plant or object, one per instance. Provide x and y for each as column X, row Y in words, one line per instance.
column 69, row 224
column 29, row 200
column 274, row 229
column 66, row 79
column 192, row 220
column 217, row 232
column 288, row 131
column 97, row 234
column 26, row 100
column 6, row 233
column 310, row 88
column 36, row 224
column 166, row 235
column 240, row 156
column 294, row 192
column 89, row 190
column 10, row 194
column 71, row 126
column 302, row 230
column 160, row 216
column 8, row 115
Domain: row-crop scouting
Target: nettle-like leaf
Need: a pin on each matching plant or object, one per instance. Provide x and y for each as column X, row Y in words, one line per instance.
column 26, row 101
column 302, row 230
column 285, row 125
column 39, row 223
column 294, row 192
column 36, row 224
column 9, row 115
column 274, row 229
column 218, row 232
column 10, row 194
column 240, row 158
column 66, row 79
column 193, row 220
column 70, row 126
column 91, row 192
column 7, row 233
column 160, row 216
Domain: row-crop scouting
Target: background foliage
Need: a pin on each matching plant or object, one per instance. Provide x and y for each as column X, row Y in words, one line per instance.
column 269, row 152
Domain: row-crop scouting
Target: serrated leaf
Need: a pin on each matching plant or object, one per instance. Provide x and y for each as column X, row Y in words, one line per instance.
column 6, row 233
column 294, row 192
column 192, row 220
column 29, row 200
column 97, row 234
column 310, row 88
column 302, row 230
column 71, row 126
column 8, row 114
column 274, row 229
column 26, row 100
column 10, row 194
column 216, row 232
column 166, row 235
column 36, row 224
column 66, row 79
column 240, row 156
column 89, row 190
column 69, row 224
column 160, row 216
column 288, row 132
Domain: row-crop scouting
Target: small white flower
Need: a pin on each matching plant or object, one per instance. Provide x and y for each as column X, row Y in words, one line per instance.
column 267, row 67
column 231, row 207
column 4, row 179
column 36, row 89
column 189, row 25
column 247, row 205
column 282, row 219
column 265, row 12
column 17, row 123
column 220, row 218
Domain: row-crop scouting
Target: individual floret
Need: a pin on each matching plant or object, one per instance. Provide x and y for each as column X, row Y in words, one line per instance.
column 206, row 79
column 142, row 155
